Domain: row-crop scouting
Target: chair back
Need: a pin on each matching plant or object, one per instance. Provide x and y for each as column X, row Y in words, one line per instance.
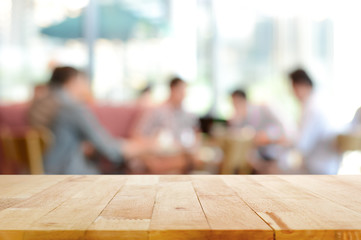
column 237, row 149
column 25, row 148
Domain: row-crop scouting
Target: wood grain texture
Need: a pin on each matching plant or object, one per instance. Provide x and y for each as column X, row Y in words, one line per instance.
column 180, row 207
column 177, row 213
column 294, row 212
column 217, row 199
column 128, row 215
column 346, row 190
column 72, row 217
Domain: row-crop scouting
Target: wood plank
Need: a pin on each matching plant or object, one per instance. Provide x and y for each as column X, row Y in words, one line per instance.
column 180, row 207
column 128, row 215
column 142, row 180
column 20, row 216
column 21, row 186
column 230, row 218
column 56, row 194
column 228, row 215
column 331, row 188
column 11, row 180
column 211, row 185
column 71, row 218
column 177, row 213
column 8, row 202
column 46, row 200
column 352, row 180
column 14, row 222
column 174, row 178
column 295, row 213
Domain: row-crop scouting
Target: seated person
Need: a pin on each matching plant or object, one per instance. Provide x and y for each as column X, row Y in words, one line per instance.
column 63, row 112
column 268, row 129
column 40, row 91
column 172, row 128
column 170, row 120
column 315, row 140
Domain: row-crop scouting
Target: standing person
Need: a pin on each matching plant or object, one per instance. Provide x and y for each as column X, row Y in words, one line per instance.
column 315, row 137
column 64, row 113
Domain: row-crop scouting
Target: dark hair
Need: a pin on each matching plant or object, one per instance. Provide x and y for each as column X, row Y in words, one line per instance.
column 175, row 82
column 239, row 93
column 300, row 76
column 61, row 75
column 146, row 89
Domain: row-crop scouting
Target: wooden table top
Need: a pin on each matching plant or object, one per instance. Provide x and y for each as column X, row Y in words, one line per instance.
column 180, row 207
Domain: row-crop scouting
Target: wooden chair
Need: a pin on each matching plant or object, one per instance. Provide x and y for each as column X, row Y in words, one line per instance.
column 237, row 148
column 25, row 149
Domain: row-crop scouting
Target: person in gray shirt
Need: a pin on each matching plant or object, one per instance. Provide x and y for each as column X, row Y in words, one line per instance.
column 170, row 118
column 63, row 112
column 269, row 132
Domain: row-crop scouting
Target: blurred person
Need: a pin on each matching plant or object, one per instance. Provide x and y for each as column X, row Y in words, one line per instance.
column 315, row 138
column 63, row 111
column 169, row 120
column 355, row 125
column 173, row 130
column 269, row 132
column 144, row 104
column 39, row 91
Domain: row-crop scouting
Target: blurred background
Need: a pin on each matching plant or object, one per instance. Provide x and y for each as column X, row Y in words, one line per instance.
column 216, row 46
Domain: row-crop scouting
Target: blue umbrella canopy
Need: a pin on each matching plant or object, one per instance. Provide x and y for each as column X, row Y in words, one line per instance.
column 70, row 28
column 114, row 22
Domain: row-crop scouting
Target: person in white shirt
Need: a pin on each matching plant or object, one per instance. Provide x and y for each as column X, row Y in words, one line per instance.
column 315, row 138
column 355, row 125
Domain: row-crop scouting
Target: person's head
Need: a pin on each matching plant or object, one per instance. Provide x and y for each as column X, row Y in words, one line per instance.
column 302, row 84
column 146, row 91
column 71, row 80
column 239, row 99
column 177, row 88
column 144, row 98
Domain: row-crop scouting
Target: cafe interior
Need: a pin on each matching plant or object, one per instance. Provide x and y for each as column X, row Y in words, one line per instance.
column 180, row 87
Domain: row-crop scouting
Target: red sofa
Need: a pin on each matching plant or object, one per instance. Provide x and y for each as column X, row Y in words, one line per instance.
column 119, row 120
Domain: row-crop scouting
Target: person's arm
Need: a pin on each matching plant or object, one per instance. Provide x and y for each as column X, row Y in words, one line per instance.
column 309, row 133
column 90, row 130
column 271, row 130
column 114, row 150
